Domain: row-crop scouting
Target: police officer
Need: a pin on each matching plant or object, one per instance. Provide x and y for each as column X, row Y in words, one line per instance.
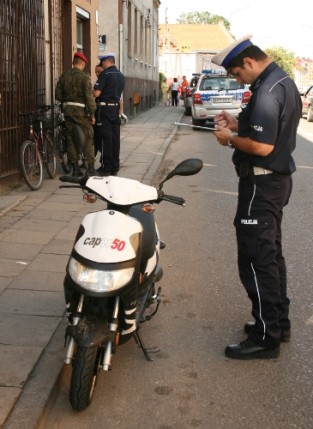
column 108, row 90
column 263, row 139
column 74, row 90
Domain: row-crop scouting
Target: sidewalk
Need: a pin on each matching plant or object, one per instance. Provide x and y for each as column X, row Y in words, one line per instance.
column 37, row 229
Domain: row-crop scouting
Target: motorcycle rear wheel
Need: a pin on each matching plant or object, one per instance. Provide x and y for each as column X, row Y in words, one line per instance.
column 84, row 376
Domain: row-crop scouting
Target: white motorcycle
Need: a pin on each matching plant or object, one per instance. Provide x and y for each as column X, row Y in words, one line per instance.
column 111, row 276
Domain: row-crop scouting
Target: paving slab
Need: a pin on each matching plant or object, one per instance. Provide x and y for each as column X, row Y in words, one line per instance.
column 30, row 302
column 27, row 330
column 46, row 281
column 32, row 237
column 48, row 262
column 15, row 250
column 12, row 268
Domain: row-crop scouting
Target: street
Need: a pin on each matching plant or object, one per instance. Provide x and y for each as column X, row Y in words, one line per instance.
column 190, row 383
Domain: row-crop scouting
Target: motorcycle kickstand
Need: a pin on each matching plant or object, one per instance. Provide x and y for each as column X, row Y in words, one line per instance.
column 146, row 351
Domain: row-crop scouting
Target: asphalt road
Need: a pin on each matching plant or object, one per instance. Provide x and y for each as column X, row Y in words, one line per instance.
column 190, row 383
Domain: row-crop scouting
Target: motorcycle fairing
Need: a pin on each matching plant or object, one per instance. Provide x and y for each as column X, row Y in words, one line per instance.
column 109, row 236
column 122, row 191
column 90, row 331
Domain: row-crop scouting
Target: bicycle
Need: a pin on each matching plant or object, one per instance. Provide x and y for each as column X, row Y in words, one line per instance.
column 60, row 139
column 37, row 150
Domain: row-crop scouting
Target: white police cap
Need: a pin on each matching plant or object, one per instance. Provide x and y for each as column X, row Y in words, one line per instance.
column 225, row 56
column 104, row 57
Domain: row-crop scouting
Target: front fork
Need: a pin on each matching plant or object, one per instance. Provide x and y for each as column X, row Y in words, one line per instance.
column 71, row 343
column 107, row 356
column 113, row 326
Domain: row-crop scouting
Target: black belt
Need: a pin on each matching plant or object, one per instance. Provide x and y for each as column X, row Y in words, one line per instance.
column 246, row 170
column 104, row 103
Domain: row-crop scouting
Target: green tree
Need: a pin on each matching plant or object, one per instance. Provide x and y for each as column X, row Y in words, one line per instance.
column 284, row 58
column 202, row 18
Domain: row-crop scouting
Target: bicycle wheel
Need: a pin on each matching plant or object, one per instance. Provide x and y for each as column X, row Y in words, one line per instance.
column 31, row 164
column 61, row 149
column 50, row 159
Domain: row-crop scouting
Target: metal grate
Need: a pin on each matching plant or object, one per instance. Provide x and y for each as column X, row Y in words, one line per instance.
column 22, row 69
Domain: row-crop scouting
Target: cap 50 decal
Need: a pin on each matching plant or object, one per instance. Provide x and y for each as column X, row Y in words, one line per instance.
column 114, row 244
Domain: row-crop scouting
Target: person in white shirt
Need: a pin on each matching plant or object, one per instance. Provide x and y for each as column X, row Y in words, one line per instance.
column 174, row 91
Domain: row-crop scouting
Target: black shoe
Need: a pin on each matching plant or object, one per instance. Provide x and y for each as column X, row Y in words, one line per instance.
column 247, row 349
column 285, row 332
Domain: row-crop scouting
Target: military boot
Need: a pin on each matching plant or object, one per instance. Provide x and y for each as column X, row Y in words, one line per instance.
column 76, row 171
column 91, row 171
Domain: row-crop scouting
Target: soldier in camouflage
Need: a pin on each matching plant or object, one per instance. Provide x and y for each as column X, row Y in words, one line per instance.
column 74, row 90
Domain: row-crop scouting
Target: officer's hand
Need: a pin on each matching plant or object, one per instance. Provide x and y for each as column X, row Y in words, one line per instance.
column 226, row 120
column 223, row 135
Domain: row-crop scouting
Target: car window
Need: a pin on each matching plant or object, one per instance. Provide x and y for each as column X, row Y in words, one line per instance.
column 208, row 84
column 193, row 82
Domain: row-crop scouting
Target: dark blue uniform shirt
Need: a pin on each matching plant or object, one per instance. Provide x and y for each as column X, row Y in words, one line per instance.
column 272, row 117
column 111, row 84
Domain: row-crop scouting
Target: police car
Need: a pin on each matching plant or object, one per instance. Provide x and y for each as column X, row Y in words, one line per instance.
column 215, row 92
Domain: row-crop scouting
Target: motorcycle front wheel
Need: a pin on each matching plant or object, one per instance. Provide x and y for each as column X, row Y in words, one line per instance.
column 84, row 376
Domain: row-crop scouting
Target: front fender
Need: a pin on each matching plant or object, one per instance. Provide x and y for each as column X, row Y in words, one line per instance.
column 90, row 332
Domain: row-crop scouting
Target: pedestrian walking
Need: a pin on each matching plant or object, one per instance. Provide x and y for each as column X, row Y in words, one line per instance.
column 74, row 91
column 165, row 90
column 263, row 138
column 183, row 87
column 108, row 90
column 174, row 91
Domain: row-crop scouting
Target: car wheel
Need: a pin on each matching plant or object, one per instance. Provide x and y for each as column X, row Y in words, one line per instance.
column 187, row 111
column 309, row 116
column 197, row 123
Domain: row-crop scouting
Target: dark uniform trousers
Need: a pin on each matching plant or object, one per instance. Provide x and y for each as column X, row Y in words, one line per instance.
column 107, row 138
column 88, row 148
column 262, row 268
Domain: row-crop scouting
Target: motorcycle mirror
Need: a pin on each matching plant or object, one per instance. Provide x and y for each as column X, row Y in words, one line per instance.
column 78, row 138
column 188, row 167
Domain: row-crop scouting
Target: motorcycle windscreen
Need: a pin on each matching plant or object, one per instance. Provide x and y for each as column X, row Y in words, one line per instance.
column 109, row 237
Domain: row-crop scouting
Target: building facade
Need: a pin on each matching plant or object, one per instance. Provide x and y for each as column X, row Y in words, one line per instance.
column 129, row 28
column 304, row 73
column 188, row 48
column 37, row 39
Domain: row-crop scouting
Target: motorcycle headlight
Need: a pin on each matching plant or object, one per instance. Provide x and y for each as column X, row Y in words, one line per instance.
column 97, row 280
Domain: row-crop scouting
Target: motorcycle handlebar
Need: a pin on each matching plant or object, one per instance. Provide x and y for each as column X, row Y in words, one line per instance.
column 70, row 179
column 172, row 199
column 80, row 182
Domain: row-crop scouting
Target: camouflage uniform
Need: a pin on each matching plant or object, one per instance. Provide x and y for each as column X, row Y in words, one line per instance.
column 74, row 86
